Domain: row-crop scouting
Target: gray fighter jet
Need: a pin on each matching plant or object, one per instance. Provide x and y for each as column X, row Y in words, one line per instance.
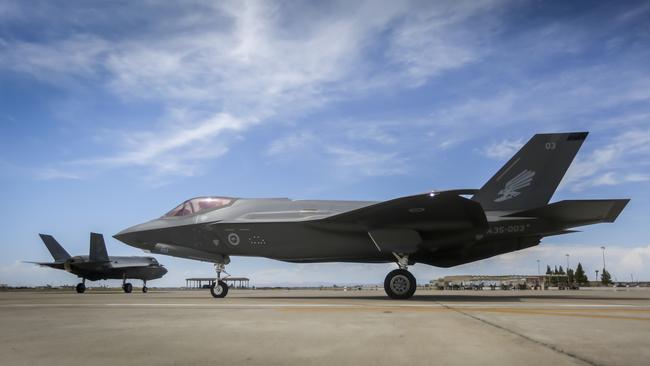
column 99, row 266
column 440, row 228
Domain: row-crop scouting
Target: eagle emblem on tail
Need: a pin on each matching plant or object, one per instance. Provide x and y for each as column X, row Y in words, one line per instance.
column 512, row 187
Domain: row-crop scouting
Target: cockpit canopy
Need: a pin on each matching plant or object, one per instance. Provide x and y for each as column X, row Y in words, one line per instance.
column 200, row 204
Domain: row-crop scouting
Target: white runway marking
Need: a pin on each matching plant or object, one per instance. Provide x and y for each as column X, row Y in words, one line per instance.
column 326, row 305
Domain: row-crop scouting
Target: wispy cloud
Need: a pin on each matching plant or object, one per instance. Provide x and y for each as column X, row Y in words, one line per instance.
column 253, row 61
column 348, row 160
column 623, row 160
column 175, row 150
column 291, row 143
column 55, row 174
column 366, row 162
column 502, row 150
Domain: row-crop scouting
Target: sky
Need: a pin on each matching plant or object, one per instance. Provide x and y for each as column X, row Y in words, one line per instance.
column 112, row 113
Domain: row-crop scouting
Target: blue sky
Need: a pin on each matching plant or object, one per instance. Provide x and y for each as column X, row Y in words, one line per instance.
column 113, row 113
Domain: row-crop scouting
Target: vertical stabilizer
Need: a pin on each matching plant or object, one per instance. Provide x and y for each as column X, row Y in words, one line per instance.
column 531, row 177
column 58, row 253
column 97, row 248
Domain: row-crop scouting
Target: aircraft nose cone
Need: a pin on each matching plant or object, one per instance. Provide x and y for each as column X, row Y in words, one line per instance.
column 130, row 236
column 124, row 236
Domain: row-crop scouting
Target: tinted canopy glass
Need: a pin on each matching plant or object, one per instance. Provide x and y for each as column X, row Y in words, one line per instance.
column 200, row 204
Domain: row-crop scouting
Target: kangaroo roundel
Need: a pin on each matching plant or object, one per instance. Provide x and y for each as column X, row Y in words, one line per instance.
column 512, row 187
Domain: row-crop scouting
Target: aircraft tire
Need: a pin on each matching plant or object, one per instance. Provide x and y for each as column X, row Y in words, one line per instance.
column 144, row 289
column 81, row 288
column 219, row 290
column 400, row 284
column 127, row 288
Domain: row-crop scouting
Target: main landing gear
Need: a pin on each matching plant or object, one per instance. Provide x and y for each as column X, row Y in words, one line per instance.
column 219, row 288
column 81, row 287
column 144, row 287
column 400, row 283
column 126, row 286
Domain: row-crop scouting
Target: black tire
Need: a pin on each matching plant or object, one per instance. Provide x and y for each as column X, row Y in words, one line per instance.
column 400, row 284
column 127, row 288
column 144, row 289
column 219, row 290
column 81, row 288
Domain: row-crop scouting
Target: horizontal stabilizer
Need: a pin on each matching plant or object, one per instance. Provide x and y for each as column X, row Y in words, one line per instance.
column 58, row 253
column 57, row 265
column 423, row 212
column 578, row 212
column 97, row 248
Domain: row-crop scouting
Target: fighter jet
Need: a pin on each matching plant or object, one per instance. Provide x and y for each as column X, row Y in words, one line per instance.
column 99, row 266
column 440, row 228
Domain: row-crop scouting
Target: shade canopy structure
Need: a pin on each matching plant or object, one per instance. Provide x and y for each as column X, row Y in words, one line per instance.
column 198, row 282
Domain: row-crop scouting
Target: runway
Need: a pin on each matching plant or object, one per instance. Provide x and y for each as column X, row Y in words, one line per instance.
column 314, row 327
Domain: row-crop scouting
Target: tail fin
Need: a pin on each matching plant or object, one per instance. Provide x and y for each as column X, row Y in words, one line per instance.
column 97, row 248
column 58, row 253
column 531, row 177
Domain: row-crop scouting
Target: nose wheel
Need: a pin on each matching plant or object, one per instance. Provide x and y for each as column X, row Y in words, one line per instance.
column 400, row 283
column 219, row 289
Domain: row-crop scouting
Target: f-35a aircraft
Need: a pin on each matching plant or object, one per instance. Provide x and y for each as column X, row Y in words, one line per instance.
column 441, row 228
column 99, row 266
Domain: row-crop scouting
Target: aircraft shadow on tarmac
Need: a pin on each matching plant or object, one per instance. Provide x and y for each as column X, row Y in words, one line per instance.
column 464, row 298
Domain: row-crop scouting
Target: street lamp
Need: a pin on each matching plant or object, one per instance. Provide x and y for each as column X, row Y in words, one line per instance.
column 603, row 248
column 567, row 271
column 567, row 262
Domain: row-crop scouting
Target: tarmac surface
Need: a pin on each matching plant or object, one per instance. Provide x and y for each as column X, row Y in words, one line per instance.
column 325, row 327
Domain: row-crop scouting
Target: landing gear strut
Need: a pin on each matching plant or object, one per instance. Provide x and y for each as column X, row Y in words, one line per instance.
column 126, row 286
column 144, row 286
column 219, row 288
column 400, row 283
column 81, row 287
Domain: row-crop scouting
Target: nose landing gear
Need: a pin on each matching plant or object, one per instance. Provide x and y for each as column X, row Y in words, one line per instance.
column 400, row 283
column 219, row 288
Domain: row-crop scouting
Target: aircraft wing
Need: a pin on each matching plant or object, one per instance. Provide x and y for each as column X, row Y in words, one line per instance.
column 422, row 212
column 396, row 225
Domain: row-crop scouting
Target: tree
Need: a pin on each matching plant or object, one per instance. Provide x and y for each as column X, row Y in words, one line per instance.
column 554, row 278
column 570, row 276
column 580, row 276
column 606, row 278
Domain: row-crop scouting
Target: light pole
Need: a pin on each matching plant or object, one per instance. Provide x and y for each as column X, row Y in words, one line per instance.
column 567, row 262
column 567, row 271
column 538, row 272
column 603, row 248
